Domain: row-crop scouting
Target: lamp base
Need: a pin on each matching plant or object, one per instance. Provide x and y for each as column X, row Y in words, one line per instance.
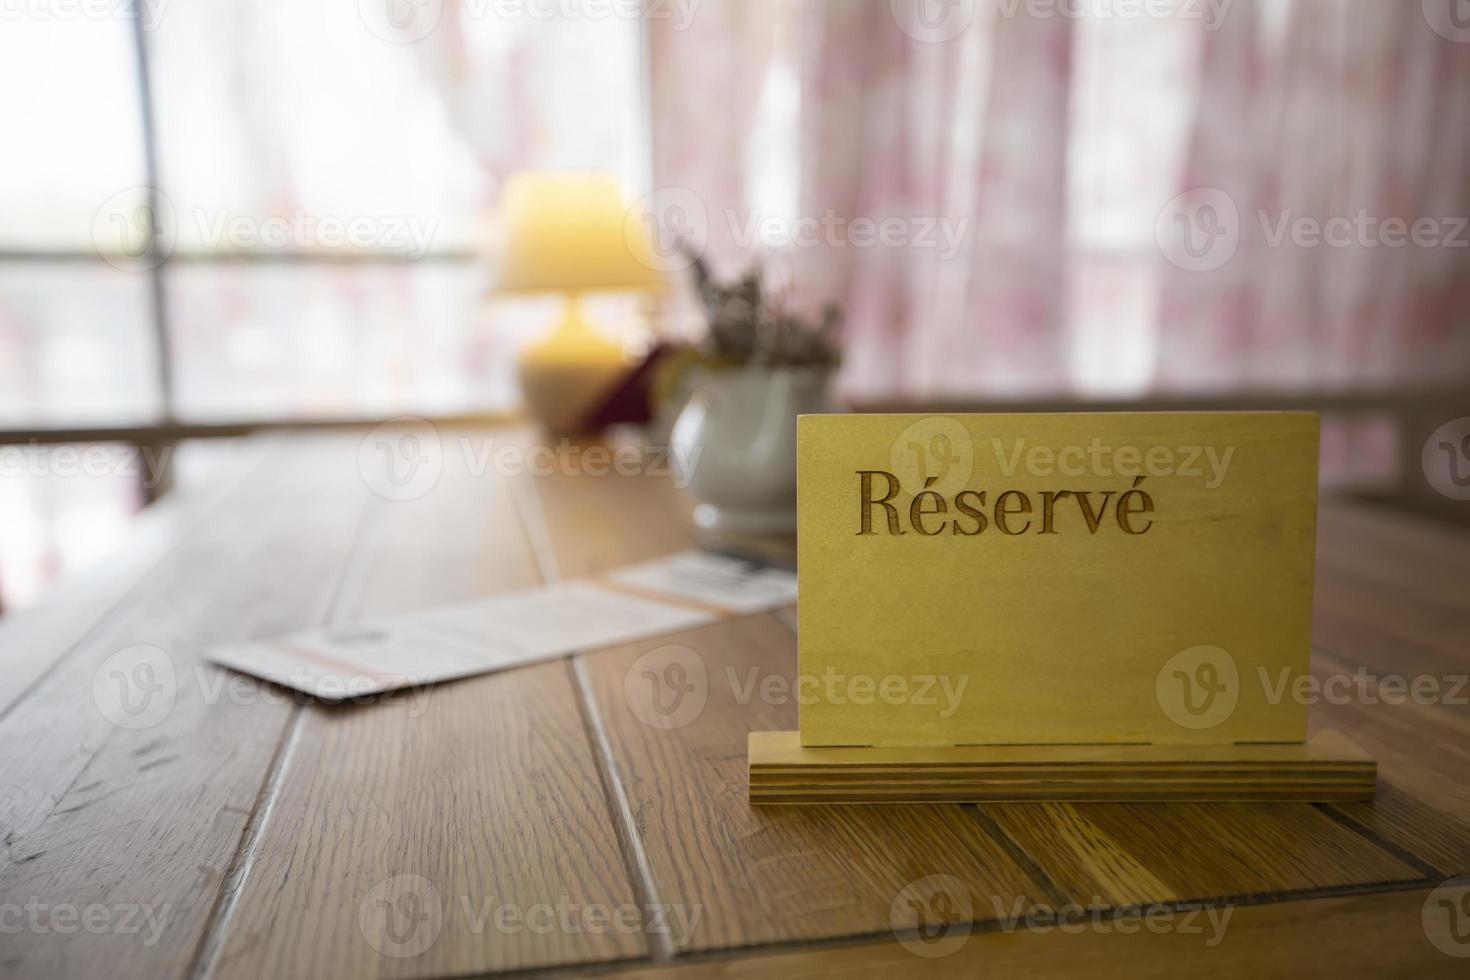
column 565, row 375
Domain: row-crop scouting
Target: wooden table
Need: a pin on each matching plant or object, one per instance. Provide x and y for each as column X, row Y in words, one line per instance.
column 535, row 807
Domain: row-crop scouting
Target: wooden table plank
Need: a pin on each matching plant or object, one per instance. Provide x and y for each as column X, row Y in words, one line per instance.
column 1111, row 854
column 1388, row 633
column 1399, row 554
column 1361, row 936
column 1393, row 604
column 142, row 822
column 1393, row 591
column 1423, row 754
column 589, row 524
column 751, row 875
column 1408, row 538
column 772, row 874
column 485, row 790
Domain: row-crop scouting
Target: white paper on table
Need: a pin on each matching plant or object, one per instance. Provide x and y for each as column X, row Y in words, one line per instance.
column 508, row 630
column 743, row 586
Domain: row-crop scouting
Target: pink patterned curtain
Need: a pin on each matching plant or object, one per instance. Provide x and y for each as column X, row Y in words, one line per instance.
column 1350, row 109
column 1034, row 159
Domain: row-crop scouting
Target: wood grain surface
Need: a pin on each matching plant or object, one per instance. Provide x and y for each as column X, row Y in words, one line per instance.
column 1362, row 936
column 482, row 793
column 266, row 837
column 142, row 815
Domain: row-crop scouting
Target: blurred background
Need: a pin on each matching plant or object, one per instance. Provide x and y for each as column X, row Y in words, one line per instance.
column 219, row 215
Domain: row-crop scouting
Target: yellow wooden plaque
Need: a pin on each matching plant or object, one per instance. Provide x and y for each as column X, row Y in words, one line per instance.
column 1020, row 579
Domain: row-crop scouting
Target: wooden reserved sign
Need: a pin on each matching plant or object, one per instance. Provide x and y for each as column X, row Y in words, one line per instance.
column 1024, row 579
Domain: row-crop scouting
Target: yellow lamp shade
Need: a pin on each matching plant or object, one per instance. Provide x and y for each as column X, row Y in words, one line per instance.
column 569, row 233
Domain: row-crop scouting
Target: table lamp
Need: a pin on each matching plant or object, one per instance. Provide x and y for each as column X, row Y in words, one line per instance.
column 571, row 233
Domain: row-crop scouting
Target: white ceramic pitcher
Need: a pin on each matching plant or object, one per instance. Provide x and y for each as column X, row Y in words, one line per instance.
column 735, row 445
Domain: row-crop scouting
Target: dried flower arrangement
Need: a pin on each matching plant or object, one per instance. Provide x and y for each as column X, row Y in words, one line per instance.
column 750, row 327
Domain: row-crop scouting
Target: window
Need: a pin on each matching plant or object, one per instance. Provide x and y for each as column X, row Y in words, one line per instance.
column 241, row 210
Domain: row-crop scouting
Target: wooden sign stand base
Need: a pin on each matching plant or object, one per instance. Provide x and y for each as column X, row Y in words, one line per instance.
column 1326, row 768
